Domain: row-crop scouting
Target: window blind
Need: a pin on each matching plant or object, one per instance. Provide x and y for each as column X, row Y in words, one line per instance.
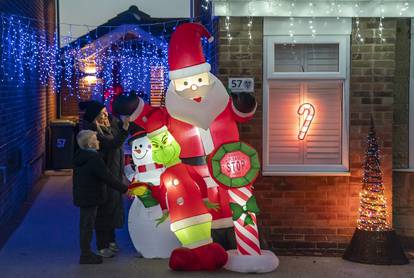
column 306, row 57
column 322, row 144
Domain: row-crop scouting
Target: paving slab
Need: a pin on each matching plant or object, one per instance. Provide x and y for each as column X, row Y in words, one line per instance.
column 46, row 245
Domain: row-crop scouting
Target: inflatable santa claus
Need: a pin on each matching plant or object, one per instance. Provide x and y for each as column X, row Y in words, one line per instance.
column 201, row 116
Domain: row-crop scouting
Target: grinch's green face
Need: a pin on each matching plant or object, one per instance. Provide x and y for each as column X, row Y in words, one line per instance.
column 165, row 149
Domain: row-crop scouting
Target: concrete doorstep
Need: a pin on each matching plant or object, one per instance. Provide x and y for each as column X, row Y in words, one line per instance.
column 46, row 245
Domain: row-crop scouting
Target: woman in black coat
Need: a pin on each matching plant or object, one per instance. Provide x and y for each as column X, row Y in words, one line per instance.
column 111, row 136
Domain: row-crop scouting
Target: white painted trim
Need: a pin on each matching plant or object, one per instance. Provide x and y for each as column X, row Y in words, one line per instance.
column 411, row 103
column 344, row 70
column 278, row 26
column 321, row 8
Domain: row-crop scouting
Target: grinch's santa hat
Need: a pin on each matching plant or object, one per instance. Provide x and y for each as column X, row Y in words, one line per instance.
column 185, row 52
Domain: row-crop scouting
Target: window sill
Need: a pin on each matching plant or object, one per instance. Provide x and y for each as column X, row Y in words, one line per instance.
column 406, row 170
column 309, row 174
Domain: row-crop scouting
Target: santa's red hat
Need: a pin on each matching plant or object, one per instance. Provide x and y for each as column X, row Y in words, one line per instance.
column 185, row 52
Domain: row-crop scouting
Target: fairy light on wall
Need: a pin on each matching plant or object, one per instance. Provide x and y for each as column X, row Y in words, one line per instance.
column 380, row 25
column 227, row 26
column 358, row 37
column 312, row 28
column 249, row 26
column 250, row 22
column 270, row 4
column 334, row 8
column 339, row 8
column 311, row 12
column 29, row 52
column 292, row 22
column 404, row 8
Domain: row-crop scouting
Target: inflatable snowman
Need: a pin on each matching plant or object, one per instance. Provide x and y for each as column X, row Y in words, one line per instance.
column 150, row 240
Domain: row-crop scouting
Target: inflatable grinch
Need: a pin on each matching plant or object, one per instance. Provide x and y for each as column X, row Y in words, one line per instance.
column 203, row 118
column 183, row 189
column 150, row 239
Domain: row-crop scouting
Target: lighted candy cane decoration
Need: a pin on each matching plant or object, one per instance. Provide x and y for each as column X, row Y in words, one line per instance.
column 247, row 236
column 235, row 167
column 309, row 110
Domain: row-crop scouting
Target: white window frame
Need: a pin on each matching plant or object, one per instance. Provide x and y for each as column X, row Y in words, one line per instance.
column 341, row 40
column 343, row 74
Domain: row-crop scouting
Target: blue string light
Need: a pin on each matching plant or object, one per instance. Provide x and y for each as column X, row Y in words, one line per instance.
column 28, row 52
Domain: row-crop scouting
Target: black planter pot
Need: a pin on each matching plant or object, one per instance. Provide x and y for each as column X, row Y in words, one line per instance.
column 372, row 247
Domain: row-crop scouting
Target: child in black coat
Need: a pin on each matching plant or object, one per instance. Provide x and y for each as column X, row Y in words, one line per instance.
column 90, row 180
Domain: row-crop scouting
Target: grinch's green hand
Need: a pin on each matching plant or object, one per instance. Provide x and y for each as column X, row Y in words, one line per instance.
column 210, row 205
column 160, row 220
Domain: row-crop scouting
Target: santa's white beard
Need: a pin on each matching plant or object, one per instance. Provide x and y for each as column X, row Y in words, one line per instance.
column 200, row 114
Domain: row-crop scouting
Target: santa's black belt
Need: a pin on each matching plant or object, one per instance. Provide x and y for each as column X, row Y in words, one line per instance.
column 198, row 160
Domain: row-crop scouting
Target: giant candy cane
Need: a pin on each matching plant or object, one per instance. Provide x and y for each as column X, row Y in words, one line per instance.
column 235, row 166
column 247, row 236
column 308, row 110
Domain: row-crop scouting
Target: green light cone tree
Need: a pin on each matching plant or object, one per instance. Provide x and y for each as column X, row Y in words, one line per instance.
column 374, row 242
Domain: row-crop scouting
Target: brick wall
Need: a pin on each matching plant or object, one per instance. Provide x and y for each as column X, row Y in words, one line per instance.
column 25, row 112
column 306, row 213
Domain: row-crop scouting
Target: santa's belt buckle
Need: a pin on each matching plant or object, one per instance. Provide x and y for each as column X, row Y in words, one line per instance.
column 234, row 164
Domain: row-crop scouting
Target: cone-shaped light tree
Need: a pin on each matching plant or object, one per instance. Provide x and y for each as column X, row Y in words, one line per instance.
column 374, row 241
column 372, row 211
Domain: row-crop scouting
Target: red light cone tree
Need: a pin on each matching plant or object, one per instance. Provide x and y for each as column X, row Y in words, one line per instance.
column 374, row 242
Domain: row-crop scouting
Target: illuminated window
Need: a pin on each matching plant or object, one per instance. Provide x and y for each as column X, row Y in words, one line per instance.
column 306, row 88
